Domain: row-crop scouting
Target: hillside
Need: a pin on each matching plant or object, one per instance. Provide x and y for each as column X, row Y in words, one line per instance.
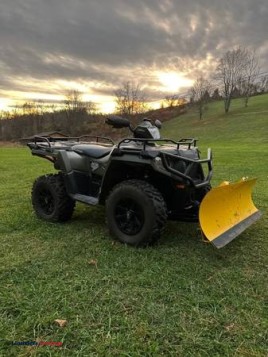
column 238, row 140
column 245, row 126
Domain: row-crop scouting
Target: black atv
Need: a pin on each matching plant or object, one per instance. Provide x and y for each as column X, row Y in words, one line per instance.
column 142, row 181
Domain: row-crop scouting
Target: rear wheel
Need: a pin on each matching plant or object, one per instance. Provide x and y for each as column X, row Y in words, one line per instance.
column 136, row 213
column 50, row 199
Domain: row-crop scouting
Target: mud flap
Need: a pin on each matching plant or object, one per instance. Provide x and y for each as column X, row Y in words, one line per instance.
column 227, row 210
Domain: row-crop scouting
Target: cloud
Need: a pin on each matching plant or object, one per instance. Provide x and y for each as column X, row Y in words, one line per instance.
column 99, row 44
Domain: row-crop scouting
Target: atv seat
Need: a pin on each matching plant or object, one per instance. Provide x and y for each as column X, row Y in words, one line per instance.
column 92, row 150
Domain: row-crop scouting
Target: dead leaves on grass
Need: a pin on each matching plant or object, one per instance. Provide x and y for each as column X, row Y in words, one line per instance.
column 61, row 323
column 230, row 327
column 94, row 263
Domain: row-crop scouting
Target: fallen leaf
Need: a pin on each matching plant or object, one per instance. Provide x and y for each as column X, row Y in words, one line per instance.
column 229, row 327
column 93, row 262
column 61, row 323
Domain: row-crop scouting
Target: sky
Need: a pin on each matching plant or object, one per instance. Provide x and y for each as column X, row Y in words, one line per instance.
column 50, row 46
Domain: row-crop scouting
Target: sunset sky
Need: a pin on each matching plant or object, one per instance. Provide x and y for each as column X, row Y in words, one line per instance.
column 50, row 46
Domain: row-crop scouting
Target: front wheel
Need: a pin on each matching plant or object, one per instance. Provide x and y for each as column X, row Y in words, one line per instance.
column 201, row 193
column 50, row 199
column 136, row 213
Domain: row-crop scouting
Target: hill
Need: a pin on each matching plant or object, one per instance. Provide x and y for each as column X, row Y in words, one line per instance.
column 238, row 140
column 241, row 125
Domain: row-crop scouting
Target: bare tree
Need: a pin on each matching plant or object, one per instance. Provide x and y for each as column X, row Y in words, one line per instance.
column 41, row 106
column 229, row 72
column 262, row 85
column 236, row 65
column 74, row 103
column 200, row 94
column 171, row 100
column 252, row 70
column 130, row 99
column 29, row 108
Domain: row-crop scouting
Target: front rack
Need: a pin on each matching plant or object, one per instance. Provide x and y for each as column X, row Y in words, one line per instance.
column 191, row 162
column 189, row 142
column 185, row 142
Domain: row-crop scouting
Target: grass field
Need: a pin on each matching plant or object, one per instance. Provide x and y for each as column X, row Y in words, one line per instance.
column 181, row 297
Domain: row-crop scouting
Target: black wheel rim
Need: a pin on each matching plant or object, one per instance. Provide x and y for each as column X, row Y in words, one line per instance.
column 46, row 201
column 129, row 216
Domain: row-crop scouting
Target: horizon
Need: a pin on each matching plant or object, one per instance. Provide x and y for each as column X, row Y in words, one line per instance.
column 169, row 83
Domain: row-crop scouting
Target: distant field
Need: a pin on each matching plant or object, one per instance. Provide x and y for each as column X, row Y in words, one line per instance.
column 181, row 297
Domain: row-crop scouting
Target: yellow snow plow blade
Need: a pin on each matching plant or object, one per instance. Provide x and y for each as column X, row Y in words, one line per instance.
column 227, row 210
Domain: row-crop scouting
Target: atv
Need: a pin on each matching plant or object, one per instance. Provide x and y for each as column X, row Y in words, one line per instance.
column 142, row 181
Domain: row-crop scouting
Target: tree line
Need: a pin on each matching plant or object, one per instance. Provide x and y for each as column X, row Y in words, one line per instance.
column 72, row 116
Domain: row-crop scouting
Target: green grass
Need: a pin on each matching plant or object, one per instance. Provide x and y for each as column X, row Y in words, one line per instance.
column 179, row 298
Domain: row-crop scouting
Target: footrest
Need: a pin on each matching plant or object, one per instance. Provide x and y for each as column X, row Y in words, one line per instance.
column 89, row 200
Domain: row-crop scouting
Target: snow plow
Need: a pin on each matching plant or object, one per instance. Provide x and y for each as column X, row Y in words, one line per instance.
column 227, row 210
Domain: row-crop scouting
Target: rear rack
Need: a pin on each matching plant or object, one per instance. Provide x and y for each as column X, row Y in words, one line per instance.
column 50, row 139
column 97, row 138
column 39, row 141
column 42, row 146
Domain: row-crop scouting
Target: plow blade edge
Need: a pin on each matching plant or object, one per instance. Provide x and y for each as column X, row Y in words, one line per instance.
column 227, row 210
